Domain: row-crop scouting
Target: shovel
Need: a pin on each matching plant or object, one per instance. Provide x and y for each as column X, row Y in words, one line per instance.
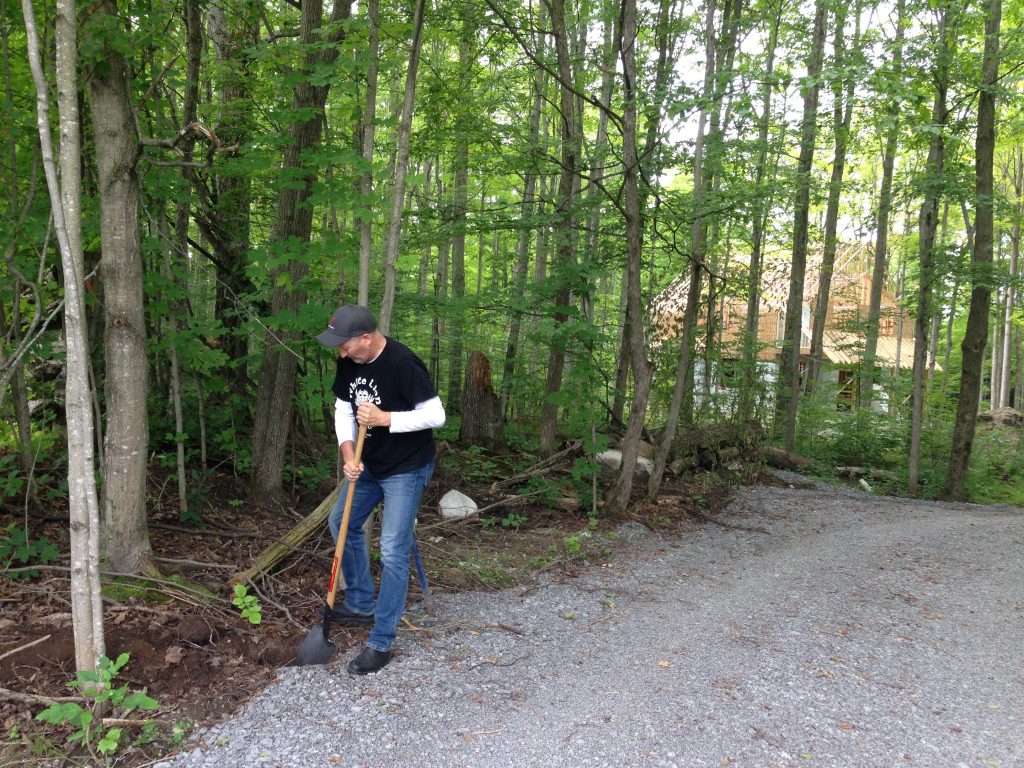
column 318, row 648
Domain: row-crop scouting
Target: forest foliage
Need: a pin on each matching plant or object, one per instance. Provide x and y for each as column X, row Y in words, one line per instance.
column 531, row 181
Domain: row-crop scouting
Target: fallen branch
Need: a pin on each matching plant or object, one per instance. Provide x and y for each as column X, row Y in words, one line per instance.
column 288, row 543
column 32, row 698
column 541, row 467
column 25, row 647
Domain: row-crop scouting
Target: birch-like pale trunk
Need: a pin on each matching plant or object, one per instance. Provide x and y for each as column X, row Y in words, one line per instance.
column 65, row 204
column 1007, row 356
column 387, row 303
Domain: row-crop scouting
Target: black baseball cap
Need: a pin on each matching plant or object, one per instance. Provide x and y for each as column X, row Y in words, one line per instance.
column 349, row 321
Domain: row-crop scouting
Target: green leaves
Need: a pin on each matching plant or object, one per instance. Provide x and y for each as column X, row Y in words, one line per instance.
column 97, row 686
column 17, row 549
column 249, row 604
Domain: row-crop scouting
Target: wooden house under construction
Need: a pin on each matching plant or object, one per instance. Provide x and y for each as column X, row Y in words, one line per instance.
column 845, row 319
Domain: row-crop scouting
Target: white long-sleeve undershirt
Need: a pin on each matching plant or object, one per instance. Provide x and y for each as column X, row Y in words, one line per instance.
column 426, row 415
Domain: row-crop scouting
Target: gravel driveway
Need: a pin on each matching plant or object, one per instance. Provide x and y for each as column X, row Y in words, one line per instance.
column 851, row 630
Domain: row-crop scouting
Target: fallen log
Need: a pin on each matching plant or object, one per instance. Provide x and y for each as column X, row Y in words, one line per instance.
column 780, row 458
column 288, row 543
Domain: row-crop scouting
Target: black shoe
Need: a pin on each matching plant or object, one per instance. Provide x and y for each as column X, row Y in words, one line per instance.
column 369, row 660
column 342, row 615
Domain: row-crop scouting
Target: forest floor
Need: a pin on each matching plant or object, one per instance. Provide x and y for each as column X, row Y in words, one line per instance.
column 191, row 649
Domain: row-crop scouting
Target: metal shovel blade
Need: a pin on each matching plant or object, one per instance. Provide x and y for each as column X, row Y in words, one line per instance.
column 317, row 648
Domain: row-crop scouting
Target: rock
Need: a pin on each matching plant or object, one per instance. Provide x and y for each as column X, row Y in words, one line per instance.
column 643, row 470
column 457, row 506
column 679, row 466
column 612, row 460
column 645, row 449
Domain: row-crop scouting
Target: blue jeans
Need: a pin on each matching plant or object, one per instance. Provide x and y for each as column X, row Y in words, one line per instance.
column 401, row 496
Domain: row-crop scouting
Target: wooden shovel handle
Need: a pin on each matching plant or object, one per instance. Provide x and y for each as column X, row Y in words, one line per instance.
column 332, row 587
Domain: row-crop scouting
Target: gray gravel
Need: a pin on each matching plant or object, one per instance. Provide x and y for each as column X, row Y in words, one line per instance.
column 851, row 630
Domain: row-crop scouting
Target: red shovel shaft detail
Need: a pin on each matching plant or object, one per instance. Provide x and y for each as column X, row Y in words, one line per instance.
column 339, row 548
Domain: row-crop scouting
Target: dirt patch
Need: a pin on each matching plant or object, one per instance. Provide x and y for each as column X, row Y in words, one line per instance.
column 191, row 649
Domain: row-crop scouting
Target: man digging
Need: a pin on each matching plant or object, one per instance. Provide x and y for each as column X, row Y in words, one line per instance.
column 382, row 385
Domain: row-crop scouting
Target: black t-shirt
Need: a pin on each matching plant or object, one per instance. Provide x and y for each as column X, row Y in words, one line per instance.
column 396, row 381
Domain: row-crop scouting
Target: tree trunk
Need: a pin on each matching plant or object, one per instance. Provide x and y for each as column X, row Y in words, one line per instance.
column 401, row 168
column 650, row 164
column 223, row 216
column 618, row 496
column 368, row 127
column 294, row 224
column 762, row 203
column 789, row 363
column 929, row 222
column 1007, row 356
column 526, row 224
column 842, row 116
column 194, row 43
column 65, row 204
column 973, row 345
column 460, row 200
column 563, row 236
column 482, row 423
column 867, row 376
column 703, row 174
column 125, row 533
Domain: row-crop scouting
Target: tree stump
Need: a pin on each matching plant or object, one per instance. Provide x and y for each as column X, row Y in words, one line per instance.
column 482, row 421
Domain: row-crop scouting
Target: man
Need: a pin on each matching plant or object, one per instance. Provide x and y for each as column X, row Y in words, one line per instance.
column 380, row 383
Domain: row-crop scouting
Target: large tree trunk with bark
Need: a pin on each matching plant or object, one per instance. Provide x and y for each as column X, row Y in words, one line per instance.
column 789, row 362
column 125, row 533
column 294, row 224
column 973, row 345
column 482, row 422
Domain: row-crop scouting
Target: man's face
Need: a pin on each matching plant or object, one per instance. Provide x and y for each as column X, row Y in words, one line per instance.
column 356, row 349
